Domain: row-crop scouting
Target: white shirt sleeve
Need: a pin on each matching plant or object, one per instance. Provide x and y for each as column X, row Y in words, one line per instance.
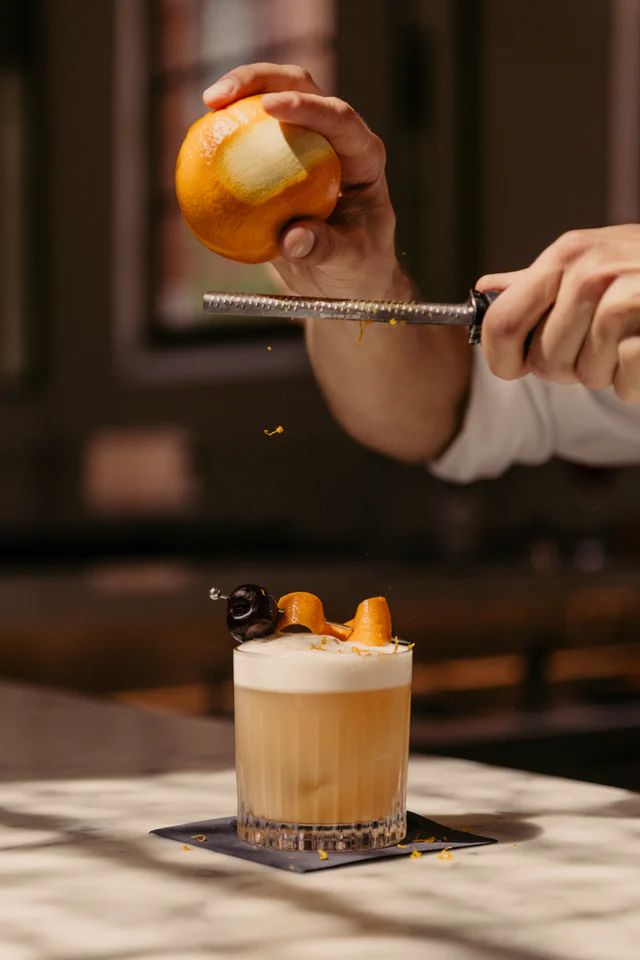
column 529, row 421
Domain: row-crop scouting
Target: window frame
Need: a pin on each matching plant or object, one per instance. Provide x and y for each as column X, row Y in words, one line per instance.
column 143, row 349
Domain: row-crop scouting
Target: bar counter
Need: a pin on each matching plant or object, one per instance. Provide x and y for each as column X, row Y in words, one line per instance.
column 83, row 781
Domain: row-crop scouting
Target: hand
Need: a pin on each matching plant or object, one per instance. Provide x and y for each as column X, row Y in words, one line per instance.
column 353, row 253
column 582, row 298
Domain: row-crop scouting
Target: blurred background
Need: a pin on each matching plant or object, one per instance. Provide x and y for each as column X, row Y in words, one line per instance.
column 134, row 470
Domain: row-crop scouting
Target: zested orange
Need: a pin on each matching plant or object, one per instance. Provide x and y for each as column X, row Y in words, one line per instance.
column 241, row 176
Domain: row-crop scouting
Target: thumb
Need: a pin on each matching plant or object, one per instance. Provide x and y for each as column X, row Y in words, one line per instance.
column 498, row 281
column 308, row 242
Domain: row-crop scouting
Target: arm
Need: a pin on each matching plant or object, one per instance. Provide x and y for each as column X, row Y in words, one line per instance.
column 400, row 390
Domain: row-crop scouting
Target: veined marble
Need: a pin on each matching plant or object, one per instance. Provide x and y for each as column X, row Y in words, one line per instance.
column 80, row 879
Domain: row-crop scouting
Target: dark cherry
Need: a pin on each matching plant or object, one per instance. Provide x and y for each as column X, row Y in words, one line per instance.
column 251, row 612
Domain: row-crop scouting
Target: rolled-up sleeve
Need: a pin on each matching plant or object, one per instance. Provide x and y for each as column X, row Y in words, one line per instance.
column 528, row 421
column 506, row 422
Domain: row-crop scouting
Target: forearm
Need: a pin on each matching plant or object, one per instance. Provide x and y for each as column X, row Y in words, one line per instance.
column 398, row 389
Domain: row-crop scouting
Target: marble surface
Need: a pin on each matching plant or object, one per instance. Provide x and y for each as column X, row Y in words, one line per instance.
column 83, row 782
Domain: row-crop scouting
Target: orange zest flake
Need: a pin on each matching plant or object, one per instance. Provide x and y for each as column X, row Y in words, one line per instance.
column 425, row 840
column 445, row 854
column 200, row 837
column 186, row 848
column 393, row 322
column 395, row 644
column 415, row 854
column 323, row 854
column 410, row 646
column 402, row 846
column 271, row 433
column 363, row 326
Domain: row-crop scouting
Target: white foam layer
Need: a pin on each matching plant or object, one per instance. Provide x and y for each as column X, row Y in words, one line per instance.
column 307, row 663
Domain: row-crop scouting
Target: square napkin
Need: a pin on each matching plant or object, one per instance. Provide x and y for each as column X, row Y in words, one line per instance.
column 423, row 835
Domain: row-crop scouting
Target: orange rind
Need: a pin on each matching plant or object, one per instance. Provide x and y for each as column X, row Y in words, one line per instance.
column 370, row 627
column 241, row 176
column 372, row 623
column 302, row 610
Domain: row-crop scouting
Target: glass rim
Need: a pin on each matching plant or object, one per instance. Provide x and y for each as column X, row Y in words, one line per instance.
column 404, row 647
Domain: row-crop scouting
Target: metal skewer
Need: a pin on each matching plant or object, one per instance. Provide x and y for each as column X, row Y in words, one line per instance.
column 469, row 314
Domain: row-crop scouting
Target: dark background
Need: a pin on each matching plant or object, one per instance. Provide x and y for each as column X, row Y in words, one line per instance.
column 134, row 471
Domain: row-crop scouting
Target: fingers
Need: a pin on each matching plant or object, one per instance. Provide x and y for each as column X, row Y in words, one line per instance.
column 616, row 317
column 558, row 340
column 514, row 315
column 498, row 281
column 257, row 78
column 361, row 152
column 626, row 381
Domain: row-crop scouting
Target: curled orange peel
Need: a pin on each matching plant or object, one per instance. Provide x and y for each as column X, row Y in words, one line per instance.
column 301, row 609
column 372, row 623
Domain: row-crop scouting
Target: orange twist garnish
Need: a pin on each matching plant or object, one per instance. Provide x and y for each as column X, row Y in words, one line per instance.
column 372, row 623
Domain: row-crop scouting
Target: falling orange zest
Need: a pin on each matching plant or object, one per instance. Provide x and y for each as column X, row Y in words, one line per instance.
column 415, row 854
column 323, row 854
column 270, row 433
column 200, row 837
column 363, row 326
column 445, row 855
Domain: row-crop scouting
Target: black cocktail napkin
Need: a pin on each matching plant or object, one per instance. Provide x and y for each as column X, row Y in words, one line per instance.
column 423, row 835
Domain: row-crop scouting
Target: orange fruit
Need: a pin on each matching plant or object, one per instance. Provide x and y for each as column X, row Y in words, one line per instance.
column 241, row 176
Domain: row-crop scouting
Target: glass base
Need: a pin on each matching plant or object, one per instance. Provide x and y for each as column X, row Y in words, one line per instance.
column 370, row 835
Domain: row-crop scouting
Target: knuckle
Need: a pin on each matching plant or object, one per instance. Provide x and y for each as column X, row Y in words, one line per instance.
column 615, row 316
column 589, row 377
column 548, row 367
column 342, row 109
column 592, row 278
column 295, row 99
column 300, row 73
column 540, row 366
column 502, row 326
column 572, row 244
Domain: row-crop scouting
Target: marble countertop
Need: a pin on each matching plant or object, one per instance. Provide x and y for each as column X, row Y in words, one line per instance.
column 84, row 781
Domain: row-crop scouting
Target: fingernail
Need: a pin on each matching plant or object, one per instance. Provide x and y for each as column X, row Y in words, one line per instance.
column 220, row 90
column 302, row 243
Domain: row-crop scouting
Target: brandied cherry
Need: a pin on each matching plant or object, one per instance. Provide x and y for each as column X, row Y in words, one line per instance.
column 251, row 612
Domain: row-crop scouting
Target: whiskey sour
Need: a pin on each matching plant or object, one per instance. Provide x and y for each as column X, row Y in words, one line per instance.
column 322, row 734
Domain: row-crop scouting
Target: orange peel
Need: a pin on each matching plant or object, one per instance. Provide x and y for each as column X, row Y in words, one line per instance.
column 372, row 623
column 300, row 609
column 241, row 175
